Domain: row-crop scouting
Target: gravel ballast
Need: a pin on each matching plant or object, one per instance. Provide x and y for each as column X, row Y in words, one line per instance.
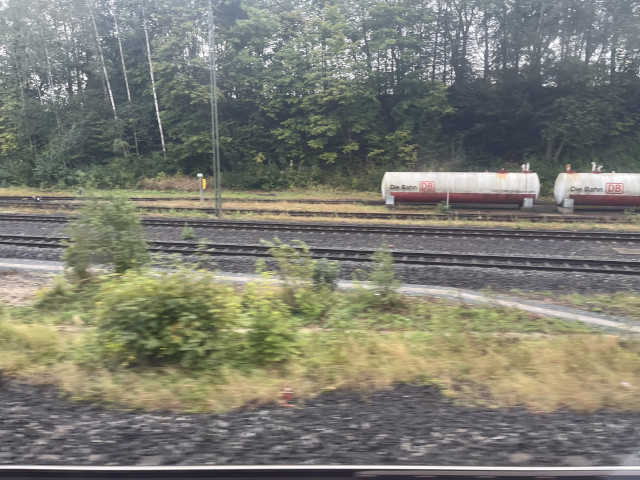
column 458, row 277
column 409, row 425
column 435, row 243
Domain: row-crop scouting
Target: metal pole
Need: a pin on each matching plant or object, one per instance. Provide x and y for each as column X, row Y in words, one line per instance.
column 217, row 184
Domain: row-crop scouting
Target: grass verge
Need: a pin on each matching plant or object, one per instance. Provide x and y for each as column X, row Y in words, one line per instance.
column 477, row 355
column 624, row 304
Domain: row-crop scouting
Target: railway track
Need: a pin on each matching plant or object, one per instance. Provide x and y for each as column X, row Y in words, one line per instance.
column 360, row 229
column 418, row 258
column 477, row 216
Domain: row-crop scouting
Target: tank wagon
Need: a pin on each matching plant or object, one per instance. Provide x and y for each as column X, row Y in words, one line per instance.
column 597, row 188
column 461, row 187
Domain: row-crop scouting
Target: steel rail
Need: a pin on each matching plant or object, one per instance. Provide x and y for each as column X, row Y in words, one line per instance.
column 324, row 228
column 419, row 258
column 330, row 472
column 480, row 216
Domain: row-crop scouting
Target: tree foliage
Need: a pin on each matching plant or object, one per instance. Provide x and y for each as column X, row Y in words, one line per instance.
column 312, row 90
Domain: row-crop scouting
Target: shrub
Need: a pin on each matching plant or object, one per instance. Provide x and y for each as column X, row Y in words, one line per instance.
column 325, row 274
column 181, row 318
column 272, row 338
column 383, row 278
column 188, row 233
column 294, row 265
column 443, row 207
column 307, row 283
column 107, row 232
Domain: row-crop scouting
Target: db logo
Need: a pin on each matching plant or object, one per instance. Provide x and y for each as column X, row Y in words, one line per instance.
column 614, row 188
column 428, row 186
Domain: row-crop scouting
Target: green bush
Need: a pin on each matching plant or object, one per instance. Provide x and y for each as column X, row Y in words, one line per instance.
column 294, row 266
column 181, row 318
column 325, row 274
column 307, row 284
column 443, row 207
column 312, row 304
column 107, row 232
column 383, row 279
column 272, row 338
column 188, row 233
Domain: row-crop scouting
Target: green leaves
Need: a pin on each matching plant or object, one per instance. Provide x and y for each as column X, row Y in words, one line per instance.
column 109, row 233
column 273, row 337
column 183, row 318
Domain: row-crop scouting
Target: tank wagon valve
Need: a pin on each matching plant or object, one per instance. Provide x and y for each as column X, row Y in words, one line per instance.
column 287, row 397
column 595, row 168
column 526, row 168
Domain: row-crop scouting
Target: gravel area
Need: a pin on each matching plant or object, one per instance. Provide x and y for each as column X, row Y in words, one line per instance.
column 473, row 278
column 19, row 288
column 406, row 425
column 461, row 277
column 453, row 244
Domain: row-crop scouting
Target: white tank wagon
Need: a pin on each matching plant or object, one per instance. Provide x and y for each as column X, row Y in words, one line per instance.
column 597, row 188
column 461, row 187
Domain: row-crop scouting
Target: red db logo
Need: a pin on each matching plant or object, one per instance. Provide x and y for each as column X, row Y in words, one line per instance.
column 614, row 188
column 429, row 186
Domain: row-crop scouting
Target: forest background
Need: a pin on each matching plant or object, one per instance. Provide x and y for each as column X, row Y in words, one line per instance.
column 107, row 92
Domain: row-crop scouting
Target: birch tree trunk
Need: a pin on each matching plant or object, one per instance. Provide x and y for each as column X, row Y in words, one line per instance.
column 106, row 79
column 104, row 66
column 124, row 71
column 51, row 85
column 153, row 82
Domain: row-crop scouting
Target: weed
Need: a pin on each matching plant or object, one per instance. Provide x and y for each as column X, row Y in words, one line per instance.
column 443, row 208
column 294, row 263
column 383, row 278
column 325, row 274
column 188, row 233
column 273, row 336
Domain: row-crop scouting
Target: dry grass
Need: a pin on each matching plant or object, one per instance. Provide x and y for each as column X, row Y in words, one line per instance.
column 461, row 355
column 281, row 205
column 188, row 185
column 25, row 346
column 29, row 192
column 179, row 183
column 584, row 373
column 626, row 304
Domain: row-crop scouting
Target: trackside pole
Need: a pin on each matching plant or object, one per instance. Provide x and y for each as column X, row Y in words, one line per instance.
column 215, row 139
column 200, row 181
